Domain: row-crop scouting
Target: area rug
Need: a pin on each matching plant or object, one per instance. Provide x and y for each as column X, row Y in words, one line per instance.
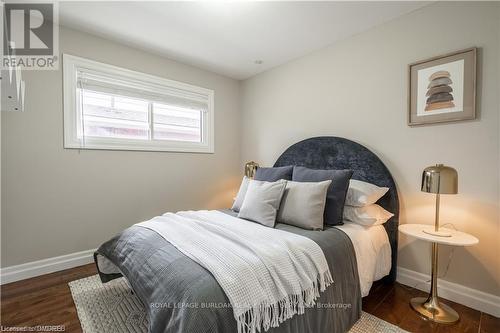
column 113, row 308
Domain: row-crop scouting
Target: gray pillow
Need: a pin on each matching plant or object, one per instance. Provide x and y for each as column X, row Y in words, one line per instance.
column 274, row 174
column 262, row 202
column 335, row 198
column 303, row 204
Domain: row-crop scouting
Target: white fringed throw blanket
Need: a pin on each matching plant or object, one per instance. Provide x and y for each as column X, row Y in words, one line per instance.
column 269, row 275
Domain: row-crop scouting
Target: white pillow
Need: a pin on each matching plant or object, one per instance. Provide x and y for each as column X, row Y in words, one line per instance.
column 361, row 193
column 241, row 194
column 262, row 201
column 368, row 215
column 303, row 204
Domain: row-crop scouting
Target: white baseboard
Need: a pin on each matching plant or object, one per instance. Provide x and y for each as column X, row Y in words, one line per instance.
column 472, row 298
column 45, row 266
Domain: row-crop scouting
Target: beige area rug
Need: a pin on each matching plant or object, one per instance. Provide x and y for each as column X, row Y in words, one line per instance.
column 112, row 308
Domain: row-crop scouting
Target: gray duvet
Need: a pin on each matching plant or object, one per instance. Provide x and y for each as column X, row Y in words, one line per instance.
column 181, row 296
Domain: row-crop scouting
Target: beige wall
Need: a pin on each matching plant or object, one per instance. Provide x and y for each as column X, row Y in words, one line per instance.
column 357, row 89
column 58, row 201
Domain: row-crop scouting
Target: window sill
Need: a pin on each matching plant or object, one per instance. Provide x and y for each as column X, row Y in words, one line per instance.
column 159, row 147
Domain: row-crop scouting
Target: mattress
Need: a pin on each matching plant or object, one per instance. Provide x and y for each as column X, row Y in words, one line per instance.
column 373, row 252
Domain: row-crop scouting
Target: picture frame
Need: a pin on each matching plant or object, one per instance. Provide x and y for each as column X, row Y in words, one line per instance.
column 443, row 89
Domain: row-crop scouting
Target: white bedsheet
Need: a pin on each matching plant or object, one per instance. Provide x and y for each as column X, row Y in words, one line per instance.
column 373, row 252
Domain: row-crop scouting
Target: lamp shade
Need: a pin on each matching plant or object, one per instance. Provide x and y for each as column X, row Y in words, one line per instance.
column 440, row 179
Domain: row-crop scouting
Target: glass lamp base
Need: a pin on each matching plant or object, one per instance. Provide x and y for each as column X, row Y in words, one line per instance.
column 431, row 309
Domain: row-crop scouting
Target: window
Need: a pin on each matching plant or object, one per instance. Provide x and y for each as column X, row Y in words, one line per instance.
column 107, row 107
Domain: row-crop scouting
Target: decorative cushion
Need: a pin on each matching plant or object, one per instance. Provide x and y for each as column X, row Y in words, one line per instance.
column 337, row 191
column 274, row 174
column 362, row 193
column 368, row 215
column 303, row 204
column 262, row 201
column 241, row 194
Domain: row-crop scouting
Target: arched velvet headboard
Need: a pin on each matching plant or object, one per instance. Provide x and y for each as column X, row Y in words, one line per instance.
column 330, row 152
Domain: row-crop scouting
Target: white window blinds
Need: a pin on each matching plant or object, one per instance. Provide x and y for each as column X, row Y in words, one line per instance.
column 115, row 85
column 107, row 107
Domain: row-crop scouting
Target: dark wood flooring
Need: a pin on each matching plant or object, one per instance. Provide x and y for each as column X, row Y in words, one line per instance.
column 46, row 300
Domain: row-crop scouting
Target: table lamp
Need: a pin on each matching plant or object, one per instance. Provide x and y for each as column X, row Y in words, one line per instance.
column 250, row 168
column 439, row 179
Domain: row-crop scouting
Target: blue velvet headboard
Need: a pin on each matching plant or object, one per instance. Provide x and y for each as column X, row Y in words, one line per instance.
column 330, row 152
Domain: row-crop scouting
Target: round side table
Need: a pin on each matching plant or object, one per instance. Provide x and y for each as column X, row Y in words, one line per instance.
column 429, row 307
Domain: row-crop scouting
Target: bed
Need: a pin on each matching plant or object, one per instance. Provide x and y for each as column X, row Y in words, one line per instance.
column 180, row 295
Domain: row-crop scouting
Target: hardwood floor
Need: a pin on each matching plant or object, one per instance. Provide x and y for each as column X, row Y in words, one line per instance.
column 43, row 300
column 46, row 300
column 391, row 303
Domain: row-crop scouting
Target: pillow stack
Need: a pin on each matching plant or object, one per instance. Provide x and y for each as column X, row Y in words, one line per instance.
column 360, row 206
column 309, row 198
column 298, row 196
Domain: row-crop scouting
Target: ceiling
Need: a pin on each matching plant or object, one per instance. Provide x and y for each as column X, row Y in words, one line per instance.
column 229, row 37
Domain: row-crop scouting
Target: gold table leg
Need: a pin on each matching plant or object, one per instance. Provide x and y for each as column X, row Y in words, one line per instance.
column 430, row 308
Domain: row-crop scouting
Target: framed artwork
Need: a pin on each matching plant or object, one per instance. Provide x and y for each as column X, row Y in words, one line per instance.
column 443, row 89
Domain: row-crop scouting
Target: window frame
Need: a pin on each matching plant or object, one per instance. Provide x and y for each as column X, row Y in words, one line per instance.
column 72, row 120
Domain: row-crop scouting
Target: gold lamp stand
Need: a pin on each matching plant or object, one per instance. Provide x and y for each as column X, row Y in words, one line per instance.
column 438, row 179
column 430, row 308
column 436, row 231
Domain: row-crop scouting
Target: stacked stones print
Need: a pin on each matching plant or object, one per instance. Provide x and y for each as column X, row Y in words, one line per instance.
column 439, row 91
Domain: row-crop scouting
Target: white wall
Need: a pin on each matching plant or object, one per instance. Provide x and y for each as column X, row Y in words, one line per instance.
column 357, row 89
column 58, row 201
